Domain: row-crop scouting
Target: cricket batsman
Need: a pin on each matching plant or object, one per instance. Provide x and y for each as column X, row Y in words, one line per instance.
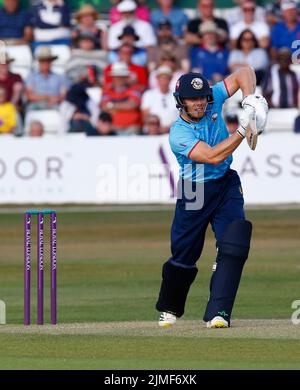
column 203, row 148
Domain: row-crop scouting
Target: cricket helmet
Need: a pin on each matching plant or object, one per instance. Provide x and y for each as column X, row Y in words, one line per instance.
column 192, row 85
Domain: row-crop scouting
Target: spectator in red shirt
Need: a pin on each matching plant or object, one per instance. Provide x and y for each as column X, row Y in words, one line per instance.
column 12, row 83
column 122, row 101
column 138, row 74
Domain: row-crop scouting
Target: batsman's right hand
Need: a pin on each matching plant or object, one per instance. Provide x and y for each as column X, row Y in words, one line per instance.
column 245, row 120
column 260, row 105
column 245, row 117
column 248, row 127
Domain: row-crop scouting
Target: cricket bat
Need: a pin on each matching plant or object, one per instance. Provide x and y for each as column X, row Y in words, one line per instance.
column 251, row 132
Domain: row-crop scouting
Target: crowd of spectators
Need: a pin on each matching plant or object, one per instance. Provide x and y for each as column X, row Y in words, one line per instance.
column 116, row 75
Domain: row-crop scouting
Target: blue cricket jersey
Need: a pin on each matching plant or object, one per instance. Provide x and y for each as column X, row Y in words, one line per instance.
column 184, row 136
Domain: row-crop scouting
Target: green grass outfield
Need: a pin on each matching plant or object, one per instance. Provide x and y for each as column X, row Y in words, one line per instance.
column 109, row 273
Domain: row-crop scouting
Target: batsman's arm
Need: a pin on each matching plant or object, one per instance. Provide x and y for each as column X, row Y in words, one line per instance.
column 244, row 79
column 203, row 153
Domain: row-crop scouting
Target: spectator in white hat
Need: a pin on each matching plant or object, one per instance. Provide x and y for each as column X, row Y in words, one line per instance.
column 44, row 88
column 138, row 74
column 284, row 33
column 86, row 23
column 143, row 29
column 12, row 83
column 160, row 101
column 142, row 11
column 210, row 59
column 274, row 11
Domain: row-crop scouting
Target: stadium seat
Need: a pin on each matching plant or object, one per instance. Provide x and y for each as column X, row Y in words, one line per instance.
column 281, row 119
column 22, row 59
column 103, row 24
column 50, row 119
column 64, row 53
column 191, row 13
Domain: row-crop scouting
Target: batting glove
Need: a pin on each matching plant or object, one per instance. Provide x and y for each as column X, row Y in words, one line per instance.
column 260, row 105
column 244, row 121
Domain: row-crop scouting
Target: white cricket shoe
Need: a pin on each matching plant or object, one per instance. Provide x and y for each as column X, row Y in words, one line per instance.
column 217, row 322
column 166, row 319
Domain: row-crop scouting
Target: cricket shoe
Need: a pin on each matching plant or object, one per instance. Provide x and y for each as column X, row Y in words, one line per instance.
column 217, row 322
column 166, row 319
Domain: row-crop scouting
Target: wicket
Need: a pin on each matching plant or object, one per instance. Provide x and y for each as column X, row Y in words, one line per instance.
column 40, row 265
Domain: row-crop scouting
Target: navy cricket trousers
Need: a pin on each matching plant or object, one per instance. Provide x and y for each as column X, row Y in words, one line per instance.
column 223, row 203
